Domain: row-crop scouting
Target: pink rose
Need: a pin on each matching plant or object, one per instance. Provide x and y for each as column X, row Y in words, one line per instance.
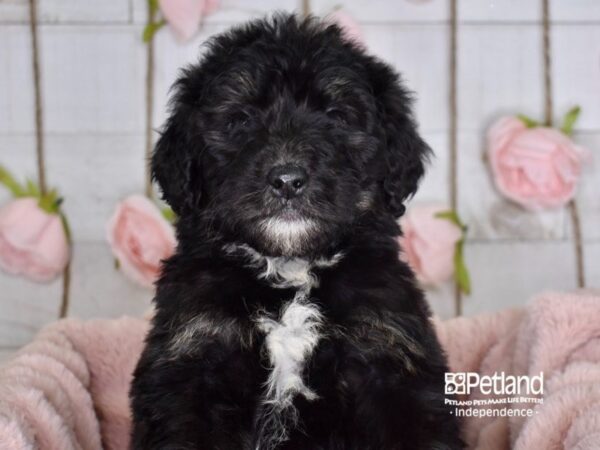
column 428, row 243
column 535, row 167
column 184, row 16
column 140, row 238
column 350, row 27
column 33, row 242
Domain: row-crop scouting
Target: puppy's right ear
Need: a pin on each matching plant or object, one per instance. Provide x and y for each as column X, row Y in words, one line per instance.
column 176, row 161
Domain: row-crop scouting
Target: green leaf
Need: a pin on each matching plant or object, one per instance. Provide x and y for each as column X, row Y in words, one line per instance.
column 461, row 273
column 11, row 183
column 168, row 214
column 151, row 29
column 152, row 6
column 569, row 120
column 50, row 202
column 117, row 264
column 449, row 215
column 32, row 188
column 452, row 216
column 528, row 121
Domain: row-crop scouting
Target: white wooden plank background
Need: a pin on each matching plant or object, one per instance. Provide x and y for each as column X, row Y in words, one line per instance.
column 16, row 79
column 113, row 159
column 508, row 274
column 592, row 264
column 576, row 71
column 98, row 290
column 589, row 193
column 93, row 70
column 63, row 11
column 104, row 94
column 230, row 11
column 398, row 44
column 384, row 11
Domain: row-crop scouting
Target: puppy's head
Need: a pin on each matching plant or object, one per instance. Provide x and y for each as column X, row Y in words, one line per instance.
column 284, row 135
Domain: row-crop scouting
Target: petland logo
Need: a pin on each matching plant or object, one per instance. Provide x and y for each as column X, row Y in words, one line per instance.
column 499, row 384
column 497, row 395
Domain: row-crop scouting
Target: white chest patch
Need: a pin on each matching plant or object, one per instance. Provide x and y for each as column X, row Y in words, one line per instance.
column 289, row 342
column 289, row 339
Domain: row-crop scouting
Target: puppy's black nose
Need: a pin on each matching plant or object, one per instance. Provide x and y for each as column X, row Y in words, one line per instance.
column 288, row 180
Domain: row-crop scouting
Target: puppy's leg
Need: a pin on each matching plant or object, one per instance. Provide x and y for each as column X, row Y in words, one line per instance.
column 376, row 396
column 199, row 401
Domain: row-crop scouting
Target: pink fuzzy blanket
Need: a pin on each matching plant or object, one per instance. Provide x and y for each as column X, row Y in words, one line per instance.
column 68, row 388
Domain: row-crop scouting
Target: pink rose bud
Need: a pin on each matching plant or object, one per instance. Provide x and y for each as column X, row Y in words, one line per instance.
column 140, row 238
column 428, row 244
column 350, row 27
column 538, row 167
column 33, row 242
column 184, row 16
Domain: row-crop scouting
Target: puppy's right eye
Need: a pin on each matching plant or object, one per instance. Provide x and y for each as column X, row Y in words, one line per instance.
column 238, row 120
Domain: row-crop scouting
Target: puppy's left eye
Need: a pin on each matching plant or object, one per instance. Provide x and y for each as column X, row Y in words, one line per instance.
column 238, row 120
column 338, row 115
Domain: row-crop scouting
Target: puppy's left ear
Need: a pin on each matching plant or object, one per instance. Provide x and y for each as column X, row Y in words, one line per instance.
column 406, row 153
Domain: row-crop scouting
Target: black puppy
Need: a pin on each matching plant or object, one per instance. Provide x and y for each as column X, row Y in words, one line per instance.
column 285, row 320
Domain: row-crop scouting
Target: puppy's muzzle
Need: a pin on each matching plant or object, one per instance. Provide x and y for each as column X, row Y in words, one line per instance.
column 287, row 180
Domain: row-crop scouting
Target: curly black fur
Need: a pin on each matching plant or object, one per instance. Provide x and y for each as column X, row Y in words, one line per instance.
column 289, row 323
